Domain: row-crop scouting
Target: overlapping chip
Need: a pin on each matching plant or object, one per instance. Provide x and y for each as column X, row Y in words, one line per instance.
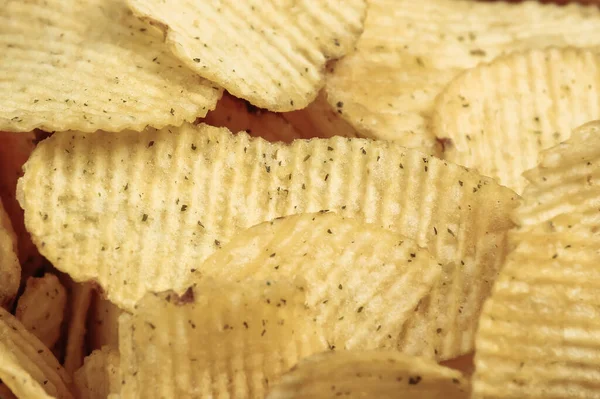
column 272, row 54
column 27, row 367
column 99, row 376
column 103, row 323
column 499, row 116
column 335, row 257
column 10, row 269
column 220, row 340
column 80, row 297
column 157, row 204
column 411, row 49
column 88, row 65
column 370, row 374
column 41, row 308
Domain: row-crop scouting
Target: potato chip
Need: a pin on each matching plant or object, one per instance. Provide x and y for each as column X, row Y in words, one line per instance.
column 272, row 54
column 99, row 375
column 411, row 49
column 80, row 296
column 6, row 393
column 319, row 119
column 88, row 65
column 10, row 269
column 375, row 374
column 336, row 256
column 464, row 364
column 137, row 212
column 41, row 308
column 28, row 368
column 239, row 115
column 565, row 184
column 538, row 334
column 216, row 340
column 499, row 116
column 103, row 323
column 15, row 149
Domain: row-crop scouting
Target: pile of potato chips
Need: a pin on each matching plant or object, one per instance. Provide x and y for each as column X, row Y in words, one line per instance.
column 299, row 199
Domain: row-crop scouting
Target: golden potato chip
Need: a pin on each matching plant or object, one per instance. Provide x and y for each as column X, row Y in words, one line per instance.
column 88, row 65
column 10, row 269
column 137, row 212
column 565, row 183
column 538, row 334
column 239, row 115
column 99, row 375
column 216, row 340
column 27, row 367
column 336, row 256
column 369, row 374
column 103, row 323
column 15, row 149
column 80, row 297
column 499, row 116
column 319, row 119
column 272, row 54
column 41, row 308
column 411, row 49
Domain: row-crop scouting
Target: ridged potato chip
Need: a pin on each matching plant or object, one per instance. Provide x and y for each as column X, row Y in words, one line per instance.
column 272, row 54
column 10, row 269
column 216, row 340
column 15, row 149
column 89, row 65
column 411, row 49
column 41, row 308
column 27, row 367
column 538, row 334
column 80, row 297
column 336, row 257
column 500, row 116
column 137, row 212
column 565, row 185
column 239, row 115
column 370, row 374
column 103, row 323
column 99, row 376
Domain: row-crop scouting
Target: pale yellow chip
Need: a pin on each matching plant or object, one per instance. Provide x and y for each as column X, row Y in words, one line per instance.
column 566, row 184
column 140, row 211
column 272, row 54
column 239, row 115
column 370, row 374
column 27, row 367
column 411, row 49
column 80, row 297
column 319, row 119
column 41, row 308
column 103, row 323
column 500, row 116
column 363, row 282
column 15, row 149
column 216, row 340
column 88, row 65
column 538, row 334
column 10, row 269
column 99, row 376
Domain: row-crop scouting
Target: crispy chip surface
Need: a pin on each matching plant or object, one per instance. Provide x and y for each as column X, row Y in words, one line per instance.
column 499, row 116
column 10, row 269
column 41, row 308
column 181, row 196
column 88, row 65
column 336, row 256
column 27, row 367
column 538, row 334
column 80, row 297
column 220, row 340
column 103, row 323
column 369, row 374
column 99, row 376
column 272, row 54
column 411, row 49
